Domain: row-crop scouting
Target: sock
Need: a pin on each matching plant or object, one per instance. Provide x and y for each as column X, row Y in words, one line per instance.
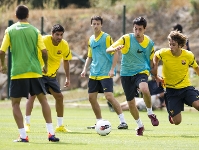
column 22, row 133
column 139, row 123
column 149, row 111
column 59, row 121
column 121, row 117
column 27, row 119
column 49, row 127
column 98, row 120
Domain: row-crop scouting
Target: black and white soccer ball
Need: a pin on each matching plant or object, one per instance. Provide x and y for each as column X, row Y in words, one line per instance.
column 103, row 127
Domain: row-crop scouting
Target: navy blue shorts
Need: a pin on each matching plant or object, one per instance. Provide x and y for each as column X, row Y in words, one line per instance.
column 51, row 82
column 176, row 98
column 100, row 86
column 154, row 88
column 130, row 84
column 24, row 87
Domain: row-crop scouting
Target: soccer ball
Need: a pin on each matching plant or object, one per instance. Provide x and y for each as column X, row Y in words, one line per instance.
column 103, row 127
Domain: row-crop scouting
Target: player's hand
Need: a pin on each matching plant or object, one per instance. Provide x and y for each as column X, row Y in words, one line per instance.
column 45, row 69
column 119, row 47
column 83, row 74
column 159, row 81
column 4, row 69
column 67, row 83
column 111, row 73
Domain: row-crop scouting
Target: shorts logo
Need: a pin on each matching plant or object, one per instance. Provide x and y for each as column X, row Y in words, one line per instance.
column 172, row 112
column 197, row 96
column 59, row 52
column 183, row 62
column 105, row 89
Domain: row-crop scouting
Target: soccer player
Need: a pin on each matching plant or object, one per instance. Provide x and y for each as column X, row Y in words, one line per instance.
column 137, row 53
column 58, row 49
column 26, row 72
column 101, row 71
column 176, row 63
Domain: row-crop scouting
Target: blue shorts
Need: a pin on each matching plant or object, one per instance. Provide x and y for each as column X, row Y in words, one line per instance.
column 24, row 87
column 154, row 88
column 130, row 84
column 100, row 86
column 51, row 82
column 176, row 98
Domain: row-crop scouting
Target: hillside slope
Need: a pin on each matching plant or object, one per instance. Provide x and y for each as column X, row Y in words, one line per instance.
column 78, row 30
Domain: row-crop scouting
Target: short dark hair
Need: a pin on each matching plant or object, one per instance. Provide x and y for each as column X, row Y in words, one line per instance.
column 57, row 28
column 178, row 27
column 22, row 12
column 97, row 18
column 140, row 21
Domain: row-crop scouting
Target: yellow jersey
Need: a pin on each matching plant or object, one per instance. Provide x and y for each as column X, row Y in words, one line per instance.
column 175, row 69
column 55, row 55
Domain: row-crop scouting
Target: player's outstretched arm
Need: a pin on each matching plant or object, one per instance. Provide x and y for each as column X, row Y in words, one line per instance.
column 112, row 49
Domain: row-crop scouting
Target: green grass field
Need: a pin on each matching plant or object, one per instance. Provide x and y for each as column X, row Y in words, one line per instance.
column 165, row 136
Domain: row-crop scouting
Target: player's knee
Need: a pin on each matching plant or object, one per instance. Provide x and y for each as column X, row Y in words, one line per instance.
column 177, row 121
column 109, row 96
column 196, row 105
column 197, row 108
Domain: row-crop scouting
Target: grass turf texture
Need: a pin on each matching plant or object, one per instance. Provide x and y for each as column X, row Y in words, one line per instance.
column 165, row 136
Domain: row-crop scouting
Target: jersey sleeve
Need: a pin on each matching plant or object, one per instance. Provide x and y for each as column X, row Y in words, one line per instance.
column 6, row 42
column 124, row 40
column 109, row 41
column 40, row 43
column 158, row 54
column 89, row 49
column 193, row 62
column 152, row 53
column 67, row 55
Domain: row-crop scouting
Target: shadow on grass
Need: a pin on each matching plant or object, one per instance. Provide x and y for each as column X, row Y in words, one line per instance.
column 163, row 136
column 60, row 143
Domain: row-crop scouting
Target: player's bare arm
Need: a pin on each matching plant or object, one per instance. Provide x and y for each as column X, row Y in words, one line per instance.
column 154, row 70
column 115, row 59
column 3, row 66
column 66, row 69
column 45, row 59
column 112, row 49
column 87, row 63
column 197, row 70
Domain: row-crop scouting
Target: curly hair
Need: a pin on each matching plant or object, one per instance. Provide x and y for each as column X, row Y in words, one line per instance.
column 178, row 37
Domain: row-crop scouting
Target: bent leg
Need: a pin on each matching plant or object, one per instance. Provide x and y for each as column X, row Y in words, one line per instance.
column 195, row 104
column 143, row 87
column 177, row 119
column 133, row 109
